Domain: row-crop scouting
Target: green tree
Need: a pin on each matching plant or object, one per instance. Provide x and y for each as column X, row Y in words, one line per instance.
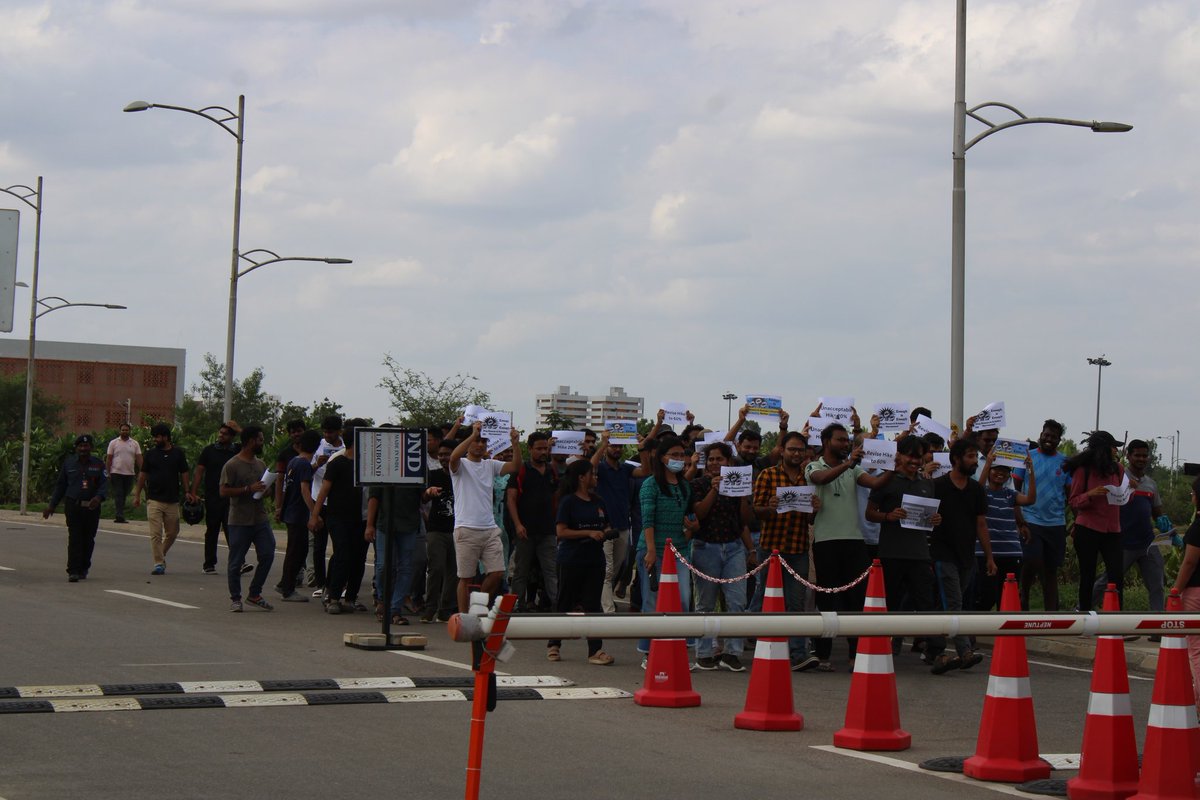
column 423, row 401
column 557, row 421
column 47, row 411
column 202, row 410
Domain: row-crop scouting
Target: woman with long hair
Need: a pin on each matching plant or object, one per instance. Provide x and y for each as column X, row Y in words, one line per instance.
column 581, row 525
column 1095, row 472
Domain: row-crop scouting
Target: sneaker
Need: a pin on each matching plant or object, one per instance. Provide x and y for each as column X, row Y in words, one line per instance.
column 944, row 663
column 159, row 569
column 318, row 592
column 210, row 570
column 72, row 579
column 247, row 568
column 333, row 608
column 732, row 663
column 805, row 663
column 707, row 663
column 428, row 618
column 236, row 606
column 359, row 607
column 969, row 659
column 644, row 660
column 295, row 597
column 261, row 602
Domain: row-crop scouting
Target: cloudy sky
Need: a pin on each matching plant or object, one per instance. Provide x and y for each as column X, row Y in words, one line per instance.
column 681, row 197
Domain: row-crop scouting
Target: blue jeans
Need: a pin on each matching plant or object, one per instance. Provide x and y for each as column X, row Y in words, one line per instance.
column 793, row 594
column 723, row 560
column 650, row 597
column 240, row 538
column 401, row 565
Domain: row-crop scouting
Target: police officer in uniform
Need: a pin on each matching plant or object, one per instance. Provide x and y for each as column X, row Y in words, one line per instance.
column 84, row 484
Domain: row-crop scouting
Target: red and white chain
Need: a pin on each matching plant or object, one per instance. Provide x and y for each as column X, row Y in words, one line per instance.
column 711, row 579
column 816, row 588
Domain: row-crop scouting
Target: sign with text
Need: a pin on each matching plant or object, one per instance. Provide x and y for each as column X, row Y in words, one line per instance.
column 621, row 431
column 794, row 498
column 1009, row 452
column 764, row 409
column 737, row 481
column 567, row 443
column 674, row 413
column 918, row 512
column 390, row 457
column 878, row 454
column 838, row 408
column 991, row 418
column 926, row 425
column 893, row 417
column 9, row 227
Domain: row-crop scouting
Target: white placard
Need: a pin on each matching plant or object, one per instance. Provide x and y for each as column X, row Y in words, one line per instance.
column 496, row 425
column 1119, row 495
column 737, row 481
column 764, row 409
column 943, row 464
column 497, row 446
column 794, row 498
column 919, row 510
column 569, row 443
column 1009, row 452
column 268, row 478
column 676, row 413
column 926, row 425
column 837, row 408
column 893, row 417
column 815, row 426
column 473, row 414
column 991, row 418
column 621, row 431
column 879, row 454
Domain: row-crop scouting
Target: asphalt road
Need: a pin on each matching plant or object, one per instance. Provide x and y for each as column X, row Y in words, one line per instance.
column 53, row 632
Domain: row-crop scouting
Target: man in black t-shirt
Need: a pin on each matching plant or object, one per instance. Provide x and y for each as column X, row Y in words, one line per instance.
column 530, row 503
column 216, row 508
column 343, row 503
column 442, row 582
column 163, row 467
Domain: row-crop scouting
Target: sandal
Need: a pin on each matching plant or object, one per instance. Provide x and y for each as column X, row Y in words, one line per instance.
column 824, row 666
column 601, row 659
column 552, row 654
column 378, row 611
column 399, row 619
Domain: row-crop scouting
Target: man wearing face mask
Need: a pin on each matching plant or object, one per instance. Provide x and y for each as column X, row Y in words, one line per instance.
column 963, row 508
column 242, row 484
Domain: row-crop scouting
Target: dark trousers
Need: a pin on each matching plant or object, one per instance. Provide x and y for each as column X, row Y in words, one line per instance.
column 293, row 557
column 118, row 488
column 442, row 583
column 320, row 541
column 348, row 559
column 216, row 511
column 242, row 537
column 913, row 577
column 81, row 536
column 1088, row 545
column 988, row 587
column 419, row 563
column 838, row 562
column 580, row 589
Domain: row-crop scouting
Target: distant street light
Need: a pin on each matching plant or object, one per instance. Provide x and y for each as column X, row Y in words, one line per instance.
column 1100, row 362
column 959, row 196
column 729, row 397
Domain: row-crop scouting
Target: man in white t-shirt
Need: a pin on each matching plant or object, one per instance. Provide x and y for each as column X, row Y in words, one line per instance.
column 331, row 444
column 123, row 462
column 476, row 537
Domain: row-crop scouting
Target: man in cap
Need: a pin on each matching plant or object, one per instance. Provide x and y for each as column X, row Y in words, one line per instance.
column 163, row 468
column 84, row 484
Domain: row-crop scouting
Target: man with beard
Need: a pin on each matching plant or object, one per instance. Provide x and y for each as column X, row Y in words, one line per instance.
column 963, row 510
column 242, row 484
column 530, row 500
column 1046, row 547
column 209, row 464
column 614, row 484
column 163, row 469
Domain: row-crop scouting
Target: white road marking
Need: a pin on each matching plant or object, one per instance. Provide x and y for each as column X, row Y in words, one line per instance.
column 584, row 693
column 1081, row 669
column 436, row 660
column 6, row 569
column 171, row 603
column 180, row 664
column 911, row 767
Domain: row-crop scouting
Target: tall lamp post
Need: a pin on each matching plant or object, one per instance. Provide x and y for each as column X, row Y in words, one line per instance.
column 959, row 195
column 1099, row 362
column 728, row 397
column 222, row 116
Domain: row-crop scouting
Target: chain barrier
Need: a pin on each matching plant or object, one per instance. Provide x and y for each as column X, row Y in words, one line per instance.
column 691, row 568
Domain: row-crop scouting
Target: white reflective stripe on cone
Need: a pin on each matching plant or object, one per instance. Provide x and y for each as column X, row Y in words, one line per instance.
column 669, row 579
column 875, row 602
column 1173, row 717
column 1111, row 638
column 873, row 663
column 771, row 651
column 1009, row 688
column 1109, row 705
column 773, row 592
column 1174, row 643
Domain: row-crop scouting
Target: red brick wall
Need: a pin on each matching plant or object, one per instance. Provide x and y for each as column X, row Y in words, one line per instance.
column 93, row 393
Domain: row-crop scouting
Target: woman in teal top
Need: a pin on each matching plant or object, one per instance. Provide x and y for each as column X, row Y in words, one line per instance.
column 666, row 514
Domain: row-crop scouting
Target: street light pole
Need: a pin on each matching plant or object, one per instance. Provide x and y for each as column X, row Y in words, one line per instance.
column 958, row 196
column 1100, row 362
column 728, row 397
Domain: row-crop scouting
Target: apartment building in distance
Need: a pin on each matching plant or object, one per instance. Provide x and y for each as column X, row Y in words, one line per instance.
column 589, row 411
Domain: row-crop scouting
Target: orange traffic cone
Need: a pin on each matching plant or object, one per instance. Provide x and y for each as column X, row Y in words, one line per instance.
column 769, row 705
column 668, row 681
column 1169, row 758
column 1108, row 769
column 1007, row 749
column 873, row 712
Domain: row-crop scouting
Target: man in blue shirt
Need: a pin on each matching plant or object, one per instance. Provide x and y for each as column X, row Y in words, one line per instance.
column 84, row 484
column 614, row 484
column 1046, row 547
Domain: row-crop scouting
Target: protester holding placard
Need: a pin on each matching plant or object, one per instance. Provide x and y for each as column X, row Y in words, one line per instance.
column 1046, row 548
column 839, row 552
column 719, row 550
column 1095, row 471
column 666, row 501
column 786, row 533
column 531, row 507
column 1006, row 529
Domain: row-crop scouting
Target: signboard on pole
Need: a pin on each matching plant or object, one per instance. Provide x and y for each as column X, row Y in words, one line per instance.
column 390, row 457
column 9, row 225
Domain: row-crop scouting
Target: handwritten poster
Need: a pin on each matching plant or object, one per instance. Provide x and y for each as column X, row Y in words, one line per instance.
column 676, row 413
column 879, row 454
column 764, row 409
column 837, row 408
column 893, row 417
column 569, row 443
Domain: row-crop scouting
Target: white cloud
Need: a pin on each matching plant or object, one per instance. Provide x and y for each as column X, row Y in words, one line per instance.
column 497, row 34
column 665, row 218
column 266, row 177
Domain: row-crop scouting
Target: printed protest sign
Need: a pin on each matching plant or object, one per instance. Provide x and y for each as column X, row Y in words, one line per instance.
column 1009, row 452
column 815, row 426
column 621, row 431
column 878, row 454
column 737, row 481
column 676, row 413
column 496, row 425
column 497, row 446
column 568, row 443
column 794, row 498
column 943, row 465
column 991, row 418
column 893, row 417
column 837, row 408
column 919, row 510
column 473, row 414
column 764, row 409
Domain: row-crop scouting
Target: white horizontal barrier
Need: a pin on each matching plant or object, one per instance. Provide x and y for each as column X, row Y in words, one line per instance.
column 465, row 628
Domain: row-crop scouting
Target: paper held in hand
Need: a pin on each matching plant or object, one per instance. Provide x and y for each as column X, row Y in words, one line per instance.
column 1009, row 453
column 926, row 425
column 737, row 481
column 943, row 465
column 268, row 478
column 497, row 446
column 893, row 417
column 794, row 498
column 621, row 431
column 496, row 425
column 991, row 418
column 919, row 512
column 1119, row 495
column 676, row 413
column 473, row 414
column 838, row 408
column 569, row 443
column 764, row 409
column 878, row 454
column 815, row 426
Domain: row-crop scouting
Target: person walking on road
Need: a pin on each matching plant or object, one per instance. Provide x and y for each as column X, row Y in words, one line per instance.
column 242, row 483
column 163, row 469
column 83, row 484
column 123, row 461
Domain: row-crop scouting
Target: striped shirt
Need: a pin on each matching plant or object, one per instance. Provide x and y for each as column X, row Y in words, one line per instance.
column 1002, row 524
column 787, row 533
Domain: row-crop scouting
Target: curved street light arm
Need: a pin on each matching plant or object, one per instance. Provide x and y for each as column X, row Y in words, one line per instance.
column 64, row 303
column 276, row 258
column 228, row 115
column 1078, row 123
column 24, row 195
